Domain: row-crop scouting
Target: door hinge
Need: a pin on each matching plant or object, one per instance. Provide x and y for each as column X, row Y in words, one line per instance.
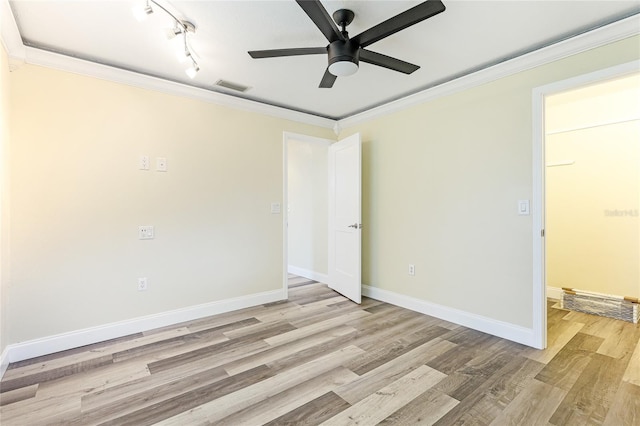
column 542, row 232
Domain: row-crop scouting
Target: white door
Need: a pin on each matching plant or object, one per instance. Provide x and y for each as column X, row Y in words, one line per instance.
column 344, row 217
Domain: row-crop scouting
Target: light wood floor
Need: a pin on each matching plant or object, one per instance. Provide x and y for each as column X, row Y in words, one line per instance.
column 319, row 358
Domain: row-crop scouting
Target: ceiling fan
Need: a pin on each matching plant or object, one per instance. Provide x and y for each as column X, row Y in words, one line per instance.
column 344, row 53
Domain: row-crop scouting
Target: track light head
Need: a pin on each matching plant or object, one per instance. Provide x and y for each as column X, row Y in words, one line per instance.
column 142, row 11
column 173, row 32
column 192, row 70
column 183, row 55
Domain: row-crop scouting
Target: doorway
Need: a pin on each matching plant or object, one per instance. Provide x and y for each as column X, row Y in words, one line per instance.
column 546, row 131
column 305, row 197
column 322, row 214
column 592, row 176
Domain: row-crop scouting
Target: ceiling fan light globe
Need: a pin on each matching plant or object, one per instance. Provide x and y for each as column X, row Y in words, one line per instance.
column 343, row 68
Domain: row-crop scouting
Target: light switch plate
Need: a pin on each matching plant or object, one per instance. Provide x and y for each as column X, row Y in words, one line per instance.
column 145, row 232
column 523, row 207
column 275, row 208
column 161, row 164
column 143, row 162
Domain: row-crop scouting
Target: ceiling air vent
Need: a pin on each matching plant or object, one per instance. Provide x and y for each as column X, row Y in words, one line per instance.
column 231, row 86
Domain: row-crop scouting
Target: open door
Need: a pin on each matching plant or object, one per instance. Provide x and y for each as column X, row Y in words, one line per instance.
column 345, row 217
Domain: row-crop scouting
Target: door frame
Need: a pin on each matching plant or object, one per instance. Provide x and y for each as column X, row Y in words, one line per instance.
column 286, row 138
column 538, row 194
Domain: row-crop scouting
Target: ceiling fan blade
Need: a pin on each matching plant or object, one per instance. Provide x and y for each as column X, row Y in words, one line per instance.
column 320, row 17
column 274, row 53
column 387, row 61
column 400, row 22
column 327, row 80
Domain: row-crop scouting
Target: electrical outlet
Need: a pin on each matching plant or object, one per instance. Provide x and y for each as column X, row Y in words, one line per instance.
column 142, row 284
column 143, row 162
column 412, row 269
column 145, row 232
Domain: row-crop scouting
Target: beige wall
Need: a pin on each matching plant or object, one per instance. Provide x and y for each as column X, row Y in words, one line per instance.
column 308, row 191
column 441, row 185
column 78, row 198
column 4, row 196
column 592, row 219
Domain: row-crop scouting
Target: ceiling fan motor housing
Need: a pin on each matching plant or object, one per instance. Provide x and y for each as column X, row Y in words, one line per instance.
column 343, row 51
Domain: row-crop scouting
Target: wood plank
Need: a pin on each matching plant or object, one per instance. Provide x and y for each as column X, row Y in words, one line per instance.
column 590, row 397
column 190, row 400
column 126, row 403
column 295, row 348
column 51, row 370
column 387, row 352
column 19, row 394
column 533, row 406
column 313, row 412
column 487, row 400
column 223, row 347
column 632, row 373
column 250, row 395
column 384, row 402
column 565, row 368
column 621, row 341
column 39, row 411
column 204, row 359
column 290, row 399
column 625, row 409
column 426, row 409
column 299, row 333
column 126, row 393
column 558, row 336
column 386, row 374
column 260, row 330
column 182, row 337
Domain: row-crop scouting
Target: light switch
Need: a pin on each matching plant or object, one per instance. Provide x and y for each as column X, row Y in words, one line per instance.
column 523, row 207
column 143, row 162
column 275, row 208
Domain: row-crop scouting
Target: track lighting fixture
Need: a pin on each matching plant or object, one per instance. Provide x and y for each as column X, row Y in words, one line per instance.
column 181, row 28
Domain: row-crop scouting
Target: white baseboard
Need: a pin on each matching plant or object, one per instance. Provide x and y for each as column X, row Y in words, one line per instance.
column 312, row 275
column 554, row 292
column 60, row 342
column 486, row 325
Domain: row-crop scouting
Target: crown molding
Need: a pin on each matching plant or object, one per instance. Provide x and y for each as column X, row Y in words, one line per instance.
column 9, row 34
column 79, row 66
column 616, row 31
column 18, row 53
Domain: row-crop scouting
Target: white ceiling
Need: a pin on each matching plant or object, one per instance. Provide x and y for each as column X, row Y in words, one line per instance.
column 467, row 36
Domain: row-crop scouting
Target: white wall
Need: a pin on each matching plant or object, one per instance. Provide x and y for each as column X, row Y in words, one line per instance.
column 308, row 187
column 77, row 198
column 592, row 218
column 441, row 185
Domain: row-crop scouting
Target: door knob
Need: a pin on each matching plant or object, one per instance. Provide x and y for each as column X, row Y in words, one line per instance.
column 355, row 226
